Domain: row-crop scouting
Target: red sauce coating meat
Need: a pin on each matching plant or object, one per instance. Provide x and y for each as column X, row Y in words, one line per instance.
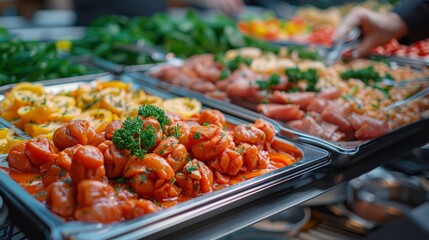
column 87, row 177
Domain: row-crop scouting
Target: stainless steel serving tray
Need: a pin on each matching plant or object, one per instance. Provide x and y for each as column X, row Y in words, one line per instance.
column 344, row 153
column 156, row 54
column 41, row 223
column 414, row 62
column 119, row 68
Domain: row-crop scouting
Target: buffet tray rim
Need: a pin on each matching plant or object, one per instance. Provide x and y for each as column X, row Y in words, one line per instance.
column 313, row 158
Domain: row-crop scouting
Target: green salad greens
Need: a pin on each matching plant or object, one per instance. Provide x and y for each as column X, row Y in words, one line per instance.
column 184, row 37
column 33, row 61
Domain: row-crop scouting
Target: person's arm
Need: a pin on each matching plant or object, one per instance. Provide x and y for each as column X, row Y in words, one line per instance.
column 377, row 29
column 227, row 6
column 415, row 14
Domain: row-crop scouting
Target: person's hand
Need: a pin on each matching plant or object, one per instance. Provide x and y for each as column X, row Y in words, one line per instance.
column 377, row 29
column 229, row 7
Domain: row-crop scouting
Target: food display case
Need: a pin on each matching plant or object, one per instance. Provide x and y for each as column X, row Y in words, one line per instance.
column 129, row 53
column 345, row 152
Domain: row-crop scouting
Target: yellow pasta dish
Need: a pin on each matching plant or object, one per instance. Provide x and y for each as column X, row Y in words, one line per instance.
column 39, row 112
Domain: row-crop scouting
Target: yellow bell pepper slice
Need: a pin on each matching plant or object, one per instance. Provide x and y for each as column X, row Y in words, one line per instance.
column 4, row 147
column 37, row 114
column 10, row 115
column 38, row 130
column 64, row 101
column 24, row 98
column 137, row 97
column 153, row 100
column 186, row 107
column 12, row 141
column 35, row 88
column 99, row 118
column 112, row 84
column 4, row 132
column 115, row 104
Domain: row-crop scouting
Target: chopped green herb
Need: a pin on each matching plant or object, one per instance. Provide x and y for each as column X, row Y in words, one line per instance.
column 191, row 168
column 177, row 131
column 293, row 89
column 368, row 75
column 205, row 124
column 304, row 53
column 224, row 74
column 40, row 194
column 197, row 135
column 172, row 181
column 131, row 190
column 310, row 75
column 354, row 90
column 265, row 101
column 236, row 62
column 67, row 180
column 375, row 106
column 385, row 90
column 62, row 173
column 157, row 203
column 143, row 179
column 273, row 80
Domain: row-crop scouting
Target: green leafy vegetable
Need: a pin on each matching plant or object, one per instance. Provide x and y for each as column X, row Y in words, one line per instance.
column 304, row 52
column 273, row 80
column 233, row 64
column 224, row 74
column 184, row 36
column 33, row 61
column 366, row 74
column 310, row 75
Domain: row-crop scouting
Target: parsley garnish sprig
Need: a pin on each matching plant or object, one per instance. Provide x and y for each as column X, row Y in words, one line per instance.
column 273, row 80
column 152, row 111
column 134, row 138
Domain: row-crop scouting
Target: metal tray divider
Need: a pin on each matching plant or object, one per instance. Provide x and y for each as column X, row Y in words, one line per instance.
column 16, row 130
column 91, row 77
column 413, row 62
column 122, row 68
column 107, row 65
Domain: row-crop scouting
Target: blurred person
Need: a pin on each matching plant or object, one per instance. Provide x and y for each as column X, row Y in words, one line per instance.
column 27, row 8
column 88, row 10
column 229, row 7
column 407, row 22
